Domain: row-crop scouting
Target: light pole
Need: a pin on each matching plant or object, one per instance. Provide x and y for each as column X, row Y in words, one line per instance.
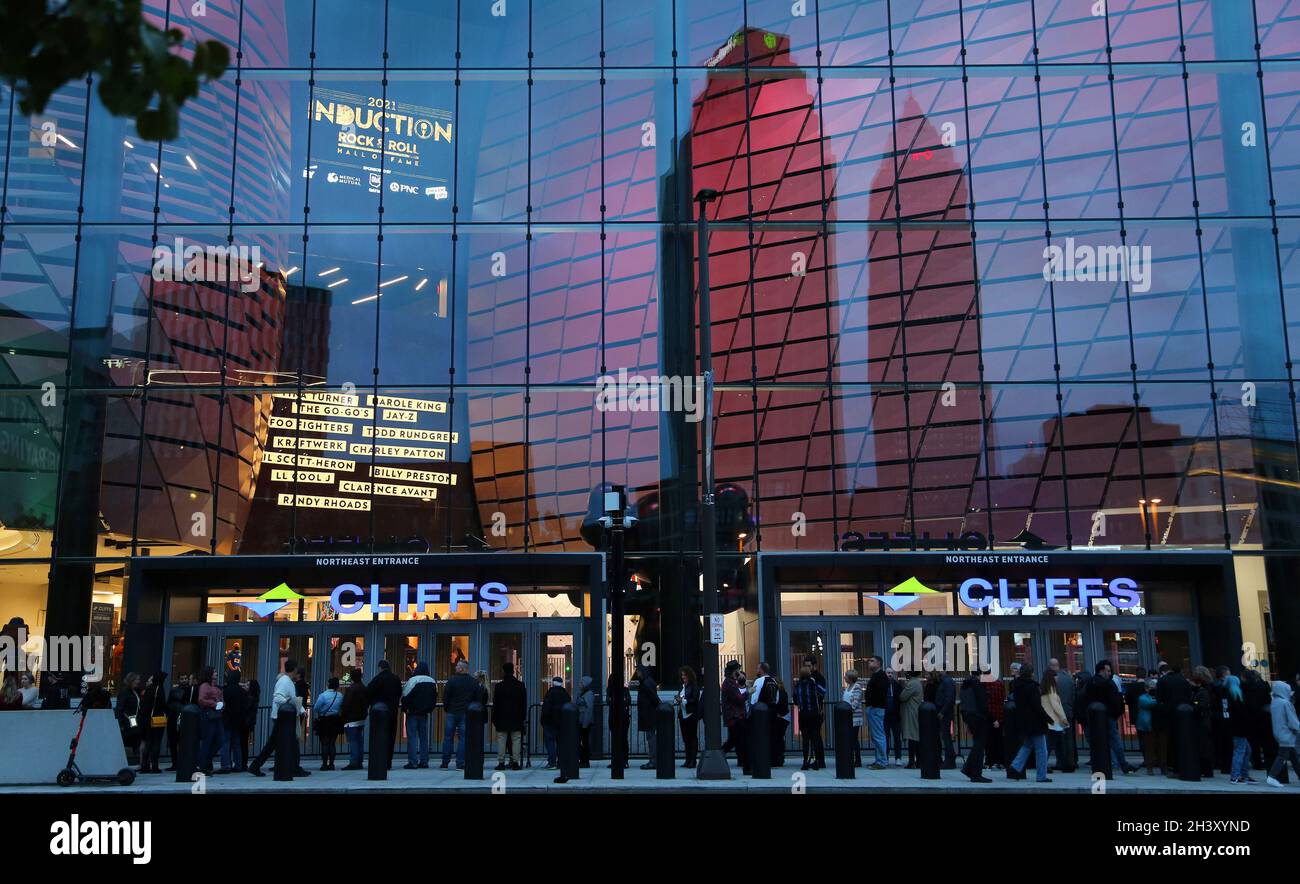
column 614, row 521
column 713, row 763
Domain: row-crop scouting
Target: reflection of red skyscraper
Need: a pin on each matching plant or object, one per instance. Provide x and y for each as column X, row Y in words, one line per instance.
column 923, row 333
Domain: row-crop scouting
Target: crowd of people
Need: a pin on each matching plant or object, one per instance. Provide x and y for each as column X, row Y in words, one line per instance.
column 1240, row 723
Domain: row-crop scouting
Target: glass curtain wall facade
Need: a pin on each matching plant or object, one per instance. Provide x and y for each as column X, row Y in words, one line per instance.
column 985, row 273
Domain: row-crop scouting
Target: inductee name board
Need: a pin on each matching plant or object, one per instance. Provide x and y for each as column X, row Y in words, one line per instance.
column 307, row 426
column 406, row 452
column 320, row 478
column 325, row 409
column 338, row 445
column 401, row 475
column 408, row 435
column 318, row 502
column 407, row 404
column 287, row 459
column 388, row 490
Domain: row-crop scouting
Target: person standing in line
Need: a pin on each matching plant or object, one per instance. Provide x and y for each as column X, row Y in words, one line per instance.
column 177, row 699
column 910, row 699
column 1055, row 710
column 386, row 688
column 552, row 702
column 810, row 698
column 1206, row 706
column 1172, row 690
column 509, row 714
column 1101, row 688
column 975, row 712
column 1032, row 722
column 419, row 699
column 647, row 704
column 153, row 716
column 687, row 703
column 780, row 720
column 211, row 704
column 354, row 711
column 285, row 695
column 11, row 699
column 328, row 714
column 852, row 695
column 234, row 702
column 481, row 695
column 734, row 708
column 1238, row 727
column 1152, row 740
column 586, row 703
column 1286, row 728
column 252, row 704
column 128, row 712
column 946, row 700
column 893, row 718
column 875, row 698
column 620, row 717
column 456, row 697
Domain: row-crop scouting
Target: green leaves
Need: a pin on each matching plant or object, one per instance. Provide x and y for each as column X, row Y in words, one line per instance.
column 139, row 69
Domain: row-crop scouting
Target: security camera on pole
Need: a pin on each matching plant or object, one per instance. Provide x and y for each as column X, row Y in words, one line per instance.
column 615, row 521
column 713, row 763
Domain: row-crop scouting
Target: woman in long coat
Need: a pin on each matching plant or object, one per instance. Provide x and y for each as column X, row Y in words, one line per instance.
column 910, row 702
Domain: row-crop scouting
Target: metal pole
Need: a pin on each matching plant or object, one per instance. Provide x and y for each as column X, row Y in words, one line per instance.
column 617, row 749
column 713, row 763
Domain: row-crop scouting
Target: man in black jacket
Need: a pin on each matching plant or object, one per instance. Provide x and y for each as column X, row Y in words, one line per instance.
column 647, row 706
column 1031, row 722
column 946, row 700
column 1172, row 691
column 509, row 713
column 552, row 703
column 387, row 689
column 620, row 717
column 876, row 700
column 975, row 712
column 1101, row 688
column 460, row 691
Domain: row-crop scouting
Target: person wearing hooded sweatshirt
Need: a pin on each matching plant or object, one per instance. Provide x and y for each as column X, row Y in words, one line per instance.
column 586, row 703
column 419, row 698
column 1286, row 727
column 356, row 708
column 974, row 704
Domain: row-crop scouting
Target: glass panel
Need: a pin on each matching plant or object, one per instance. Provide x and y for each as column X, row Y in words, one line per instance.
column 855, row 649
column 557, row 658
column 805, row 643
column 449, row 649
column 1174, row 646
column 346, row 652
column 506, row 647
column 240, row 652
column 189, row 655
column 1122, row 650
column 402, row 653
column 1015, row 647
column 1066, row 646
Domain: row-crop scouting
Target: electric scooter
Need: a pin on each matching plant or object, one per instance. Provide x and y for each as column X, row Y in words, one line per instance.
column 73, row 774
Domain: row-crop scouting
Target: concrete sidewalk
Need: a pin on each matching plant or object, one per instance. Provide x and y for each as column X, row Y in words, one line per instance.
column 596, row 780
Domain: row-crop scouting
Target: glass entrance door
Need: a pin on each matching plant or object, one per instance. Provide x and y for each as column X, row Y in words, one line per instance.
column 538, row 650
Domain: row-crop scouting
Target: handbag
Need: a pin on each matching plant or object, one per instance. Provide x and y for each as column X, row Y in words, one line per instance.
column 158, row 721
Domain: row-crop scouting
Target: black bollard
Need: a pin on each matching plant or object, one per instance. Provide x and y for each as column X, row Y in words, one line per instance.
column 1099, row 740
column 566, row 749
column 842, row 721
column 286, row 741
column 1189, row 756
column 475, row 721
column 760, row 741
column 1067, row 751
column 665, row 753
column 187, row 743
column 929, row 734
column 378, row 767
